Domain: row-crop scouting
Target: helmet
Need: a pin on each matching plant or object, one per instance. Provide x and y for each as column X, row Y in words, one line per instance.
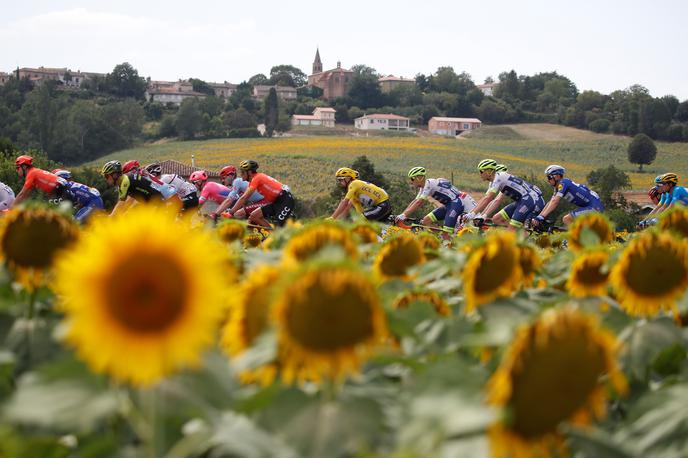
column 66, row 174
column 249, row 165
column 228, row 170
column 111, row 167
column 669, row 178
column 416, row 172
column 653, row 192
column 658, row 179
column 555, row 169
column 23, row 160
column 501, row 168
column 130, row 165
column 487, row 164
column 154, row 169
column 345, row 172
column 199, row 175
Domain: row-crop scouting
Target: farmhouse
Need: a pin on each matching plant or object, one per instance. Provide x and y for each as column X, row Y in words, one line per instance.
column 322, row 116
column 387, row 83
column 488, row 88
column 382, row 122
column 452, row 126
column 283, row 92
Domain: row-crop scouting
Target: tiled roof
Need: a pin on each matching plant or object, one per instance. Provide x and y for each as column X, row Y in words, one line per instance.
column 396, row 78
column 325, row 109
column 488, row 85
column 304, row 117
column 441, row 119
column 184, row 170
column 383, row 116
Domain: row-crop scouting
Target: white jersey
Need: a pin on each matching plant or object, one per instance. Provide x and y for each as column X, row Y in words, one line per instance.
column 440, row 189
column 183, row 187
column 6, row 196
column 514, row 187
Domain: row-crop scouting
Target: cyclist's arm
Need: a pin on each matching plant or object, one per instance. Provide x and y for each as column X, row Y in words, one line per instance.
column 123, row 205
column 242, row 200
column 342, row 209
column 225, row 203
column 484, row 201
column 493, row 206
column 551, row 206
column 23, row 194
column 413, row 206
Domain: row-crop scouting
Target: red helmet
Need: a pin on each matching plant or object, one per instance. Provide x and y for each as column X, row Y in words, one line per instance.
column 24, row 160
column 199, row 175
column 130, row 165
column 227, row 170
column 653, row 192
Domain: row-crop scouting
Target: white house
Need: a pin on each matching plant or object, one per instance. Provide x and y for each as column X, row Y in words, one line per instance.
column 382, row 122
column 322, row 116
column 171, row 96
column 488, row 88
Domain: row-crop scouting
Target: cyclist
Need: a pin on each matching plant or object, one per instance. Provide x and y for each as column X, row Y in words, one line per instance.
column 527, row 198
column 209, row 189
column 35, row 178
column 6, row 197
column 130, row 186
column 237, row 187
column 452, row 202
column 131, row 166
column 84, row 199
column 369, row 200
column 654, row 195
column 671, row 193
column 564, row 188
column 186, row 191
column 280, row 202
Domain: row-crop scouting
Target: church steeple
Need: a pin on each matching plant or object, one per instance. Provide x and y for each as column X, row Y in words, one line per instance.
column 317, row 64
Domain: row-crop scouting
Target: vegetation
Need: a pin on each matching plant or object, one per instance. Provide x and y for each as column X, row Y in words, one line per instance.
column 642, row 151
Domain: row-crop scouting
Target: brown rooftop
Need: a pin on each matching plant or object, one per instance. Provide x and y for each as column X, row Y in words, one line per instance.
column 183, row 170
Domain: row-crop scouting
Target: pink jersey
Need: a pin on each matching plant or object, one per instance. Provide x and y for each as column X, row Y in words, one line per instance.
column 215, row 192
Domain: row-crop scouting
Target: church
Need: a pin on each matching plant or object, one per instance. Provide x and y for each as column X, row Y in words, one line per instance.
column 334, row 83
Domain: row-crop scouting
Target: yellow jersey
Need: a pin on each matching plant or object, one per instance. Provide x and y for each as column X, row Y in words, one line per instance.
column 365, row 195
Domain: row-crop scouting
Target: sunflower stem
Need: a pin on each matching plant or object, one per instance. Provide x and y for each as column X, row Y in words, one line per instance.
column 31, row 310
column 151, row 401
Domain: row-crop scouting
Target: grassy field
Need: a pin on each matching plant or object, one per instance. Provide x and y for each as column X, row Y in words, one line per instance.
column 308, row 164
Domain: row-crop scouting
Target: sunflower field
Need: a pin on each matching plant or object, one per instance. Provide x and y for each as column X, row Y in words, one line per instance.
column 151, row 335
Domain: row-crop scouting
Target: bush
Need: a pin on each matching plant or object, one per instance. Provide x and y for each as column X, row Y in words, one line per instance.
column 244, row 132
column 168, row 127
column 622, row 219
column 673, row 133
column 641, row 151
column 599, row 125
column 618, row 128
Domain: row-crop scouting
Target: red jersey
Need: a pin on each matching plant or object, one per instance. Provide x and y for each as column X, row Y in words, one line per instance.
column 41, row 180
column 267, row 186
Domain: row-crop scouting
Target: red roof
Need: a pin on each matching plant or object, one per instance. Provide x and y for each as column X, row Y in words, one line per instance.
column 384, row 116
column 183, row 170
column 443, row 119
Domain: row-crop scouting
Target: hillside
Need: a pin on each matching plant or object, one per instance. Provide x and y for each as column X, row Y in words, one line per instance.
column 307, row 164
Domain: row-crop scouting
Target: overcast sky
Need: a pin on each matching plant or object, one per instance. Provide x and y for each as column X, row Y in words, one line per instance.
column 602, row 45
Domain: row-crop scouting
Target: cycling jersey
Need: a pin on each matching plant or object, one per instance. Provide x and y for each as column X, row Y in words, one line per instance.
column 41, row 180
column 267, row 186
column 182, row 187
column 514, row 187
column 81, row 195
column 440, row 189
column 6, row 196
column 363, row 194
column 239, row 187
column 137, row 186
column 578, row 194
column 678, row 195
column 215, row 192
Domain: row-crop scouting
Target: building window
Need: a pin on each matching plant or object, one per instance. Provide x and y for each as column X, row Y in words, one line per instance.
column 466, row 126
column 372, row 121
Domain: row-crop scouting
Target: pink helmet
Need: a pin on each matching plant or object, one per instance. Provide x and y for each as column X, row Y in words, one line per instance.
column 199, row 175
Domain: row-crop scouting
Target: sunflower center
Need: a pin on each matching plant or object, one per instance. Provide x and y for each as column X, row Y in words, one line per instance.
column 495, row 270
column 407, row 253
column 330, row 314
column 256, row 315
column 33, row 242
column 678, row 223
column 147, row 292
column 656, row 271
column 545, row 389
column 591, row 273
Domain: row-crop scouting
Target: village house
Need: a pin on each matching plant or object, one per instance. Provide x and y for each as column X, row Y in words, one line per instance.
column 387, row 83
column 223, row 90
column 283, row 92
column 487, row 88
column 334, row 83
column 382, row 122
column 62, row 75
column 166, row 95
column 322, row 116
column 4, row 78
column 452, row 126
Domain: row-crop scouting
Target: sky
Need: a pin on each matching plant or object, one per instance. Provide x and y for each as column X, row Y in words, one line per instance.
column 601, row 45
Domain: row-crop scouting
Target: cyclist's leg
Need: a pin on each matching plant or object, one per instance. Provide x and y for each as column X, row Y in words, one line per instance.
column 378, row 213
column 523, row 208
column 434, row 217
column 257, row 216
column 503, row 217
column 454, row 210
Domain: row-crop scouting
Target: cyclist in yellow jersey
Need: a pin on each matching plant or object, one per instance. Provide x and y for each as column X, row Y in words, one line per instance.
column 369, row 200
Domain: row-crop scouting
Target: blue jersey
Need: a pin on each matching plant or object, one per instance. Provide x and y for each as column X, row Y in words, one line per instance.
column 578, row 194
column 239, row 187
column 678, row 195
column 81, row 195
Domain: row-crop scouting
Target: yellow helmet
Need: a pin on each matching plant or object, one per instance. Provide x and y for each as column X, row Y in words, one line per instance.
column 346, row 172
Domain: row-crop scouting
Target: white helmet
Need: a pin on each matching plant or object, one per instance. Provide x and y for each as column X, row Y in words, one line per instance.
column 555, row 169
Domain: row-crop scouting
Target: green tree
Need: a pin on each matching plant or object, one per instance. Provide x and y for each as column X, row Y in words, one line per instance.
column 364, row 89
column 608, row 182
column 287, row 75
column 239, row 119
column 641, row 151
column 168, row 127
column 201, row 86
column 271, row 112
column 258, row 80
column 189, row 119
column 124, row 81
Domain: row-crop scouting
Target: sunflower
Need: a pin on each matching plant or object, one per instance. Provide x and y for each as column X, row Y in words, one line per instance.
column 231, row 230
column 530, row 262
column 397, row 255
column 429, row 241
column 589, row 274
column 538, row 389
column 675, row 220
column 248, row 317
column 365, row 232
column 651, row 274
column 137, row 306
column 30, row 239
column 492, row 270
column 592, row 221
column 314, row 238
column 329, row 320
column 432, row 297
column 252, row 239
column 392, row 231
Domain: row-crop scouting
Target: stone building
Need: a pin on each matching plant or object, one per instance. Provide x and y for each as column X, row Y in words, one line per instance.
column 334, row 83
